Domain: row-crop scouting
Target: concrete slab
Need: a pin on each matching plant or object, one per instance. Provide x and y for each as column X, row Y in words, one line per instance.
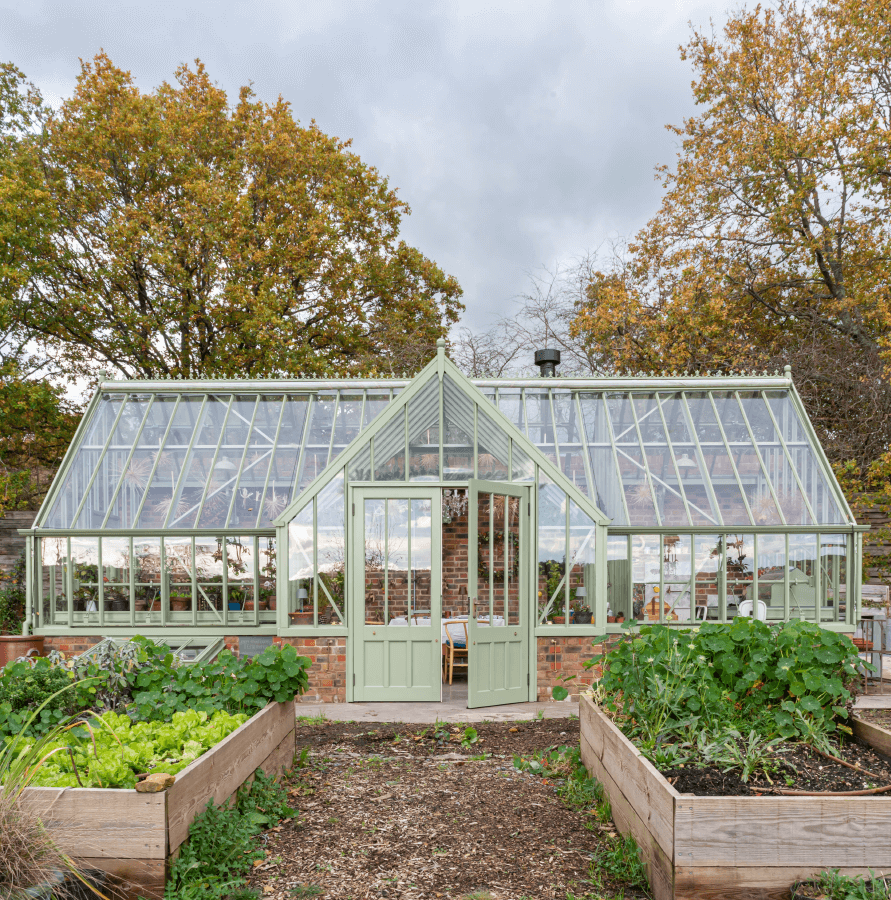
column 428, row 713
column 873, row 701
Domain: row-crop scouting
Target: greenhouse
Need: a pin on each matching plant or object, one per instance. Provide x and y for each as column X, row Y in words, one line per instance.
column 386, row 526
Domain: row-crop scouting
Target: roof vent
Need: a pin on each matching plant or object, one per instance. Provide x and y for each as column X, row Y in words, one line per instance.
column 547, row 361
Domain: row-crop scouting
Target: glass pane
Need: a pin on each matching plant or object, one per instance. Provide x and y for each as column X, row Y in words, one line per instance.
column 389, row 450
column 677, row 576
column 116, row 578
column 85, row 560
column 688, row 462
column 523, row 469
column 607, row 486
column 582, row 538
column 570, row 439
column 138, row 471
column 396, row 581
column 771, row 576
column 112, row 466
column 638, row 494
column 360, row 467
column 268, row 571
column 708, row 560
column 330, row 532
column 301, row 570
column 157, row 501
column 348, row 423
column 84, row 462
column 512, row 561
column 147, row 576
column 485, row 587
column 659, row 462
column 618, row 581
column 225, row 468
column 646, row 563
column 740, row 574
column 178, row 567
column 715, row 463
column 283, row 470
column 552, row 593
column 421, row 556
column 493, row 447
column 240, row 579
column 318, row 438
column 375, row 554
column 198, row 465
column 255, row 468
column 833, row 553
column 810, row 471
column 54, row 560
column 454, row 553
column 458, row 411
column 540, row 423
column 757, row 490
column 423, row 433
column 374, row 404
column 803, row 576
column 510, row 402
column 209, row 563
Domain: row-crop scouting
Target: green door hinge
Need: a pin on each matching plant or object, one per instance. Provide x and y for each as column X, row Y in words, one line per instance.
column 354, row 679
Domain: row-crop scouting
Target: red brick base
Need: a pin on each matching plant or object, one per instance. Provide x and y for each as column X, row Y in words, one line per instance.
column 564, row 657
column 327, row 675
column 70, row 644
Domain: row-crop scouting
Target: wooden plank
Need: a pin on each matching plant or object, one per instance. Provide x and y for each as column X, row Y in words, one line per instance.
column 220, row 772
column 590, row 724
column 640, row 782
column 131, row 879
column 873, row 735
column 281, row 759
column 106, row 823
column 658, row 863
column 782, row 831
column 761, row 883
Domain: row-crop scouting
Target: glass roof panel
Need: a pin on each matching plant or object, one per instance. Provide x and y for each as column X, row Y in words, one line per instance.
column 672, row 505
column 540, row 423
column 458, row 410
column 423, row 433
column 810, row 472
column 570, row 439
column 282, row 473
column 607, row 493
column 493, row 449
column 632, row 471
column 389, row 450
column 510, row 402
column 255, row 464
column 84, row 463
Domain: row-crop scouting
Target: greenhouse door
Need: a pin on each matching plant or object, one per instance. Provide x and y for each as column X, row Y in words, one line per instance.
column 498, row 541
column 397, row 596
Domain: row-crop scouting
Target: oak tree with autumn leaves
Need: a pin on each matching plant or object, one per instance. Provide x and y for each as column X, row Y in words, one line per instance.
column 179, row 235
column 773, row 241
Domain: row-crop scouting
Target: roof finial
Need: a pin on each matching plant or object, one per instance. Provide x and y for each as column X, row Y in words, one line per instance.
column 787, row 371
column 103, row 375
column 440, row 347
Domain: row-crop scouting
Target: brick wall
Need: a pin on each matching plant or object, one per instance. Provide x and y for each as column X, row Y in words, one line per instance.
column 327, row 675
column 560, row 657
column 70, row 643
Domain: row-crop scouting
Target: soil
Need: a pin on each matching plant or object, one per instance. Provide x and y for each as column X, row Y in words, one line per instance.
column 392, row 811
column 523, row 738
column 798, row 768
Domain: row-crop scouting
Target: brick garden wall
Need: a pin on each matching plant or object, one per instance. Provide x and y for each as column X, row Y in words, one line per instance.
column 560, row 657
column 71, row 643
column 327, row 675
column 11, row 543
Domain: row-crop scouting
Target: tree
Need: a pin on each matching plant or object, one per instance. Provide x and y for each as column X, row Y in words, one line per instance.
column 773, row 240
column 185, row 237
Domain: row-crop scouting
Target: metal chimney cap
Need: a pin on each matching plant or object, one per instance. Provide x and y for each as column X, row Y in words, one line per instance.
column 547, row 361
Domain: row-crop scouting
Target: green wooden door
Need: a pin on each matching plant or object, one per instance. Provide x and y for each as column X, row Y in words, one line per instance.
column 498, row 630
column 397, row 594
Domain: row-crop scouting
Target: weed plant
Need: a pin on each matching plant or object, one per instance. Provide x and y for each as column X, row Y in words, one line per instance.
column 728, row 693
column 831, row 885
column 222, row 845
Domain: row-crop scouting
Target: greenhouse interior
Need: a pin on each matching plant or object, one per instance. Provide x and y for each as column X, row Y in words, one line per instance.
column 387, row 525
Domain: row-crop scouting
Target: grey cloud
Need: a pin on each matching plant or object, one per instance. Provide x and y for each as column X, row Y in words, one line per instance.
column 520, row 133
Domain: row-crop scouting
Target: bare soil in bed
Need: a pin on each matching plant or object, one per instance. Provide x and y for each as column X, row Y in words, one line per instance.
column 799, row 768
column 880, row 717
column 391, row 811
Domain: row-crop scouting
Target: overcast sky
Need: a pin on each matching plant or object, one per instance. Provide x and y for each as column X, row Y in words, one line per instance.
column 521, row 134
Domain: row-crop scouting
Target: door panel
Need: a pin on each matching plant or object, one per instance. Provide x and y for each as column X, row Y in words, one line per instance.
column 397, row 590
column 498, row 629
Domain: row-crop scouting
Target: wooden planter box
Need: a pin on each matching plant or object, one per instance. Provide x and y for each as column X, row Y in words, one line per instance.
column 710, row 847
column 133, row 836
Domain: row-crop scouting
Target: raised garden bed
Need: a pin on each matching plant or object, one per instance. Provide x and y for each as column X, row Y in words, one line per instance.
column 732, row 846
column 134, row 836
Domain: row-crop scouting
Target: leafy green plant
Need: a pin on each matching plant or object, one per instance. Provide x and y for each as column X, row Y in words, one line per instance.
column 12, row 599
column 469, row 737
column 832, row 885
column 110, row 750
column 222, row 845
column 620, row 859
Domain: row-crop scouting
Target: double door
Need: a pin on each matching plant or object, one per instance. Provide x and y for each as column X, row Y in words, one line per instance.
column 397, row 593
